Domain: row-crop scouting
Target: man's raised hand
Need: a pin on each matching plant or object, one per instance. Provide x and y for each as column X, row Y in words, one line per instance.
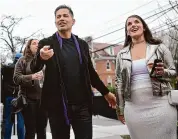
column 46, row 53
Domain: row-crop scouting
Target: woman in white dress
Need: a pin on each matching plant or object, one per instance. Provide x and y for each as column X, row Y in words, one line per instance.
column 142, row 99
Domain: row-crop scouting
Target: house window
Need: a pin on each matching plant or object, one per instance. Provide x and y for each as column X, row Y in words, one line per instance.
column 109, row 84
column 108, row 65
column 109, row 81
column 111, row 50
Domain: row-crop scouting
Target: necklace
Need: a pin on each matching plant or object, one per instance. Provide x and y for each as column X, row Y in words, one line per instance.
column 137, row 42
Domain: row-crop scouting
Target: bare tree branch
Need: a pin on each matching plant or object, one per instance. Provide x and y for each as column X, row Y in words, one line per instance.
column 171, row 34
column 7, row 43
column 13, row 25
column 7, row 28
column 32, row 34
column 172, row 37
column 173, row 6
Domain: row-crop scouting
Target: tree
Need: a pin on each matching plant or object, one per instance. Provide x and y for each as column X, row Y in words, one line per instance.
column 7, row 29
column 111, row 89
column 169, row 31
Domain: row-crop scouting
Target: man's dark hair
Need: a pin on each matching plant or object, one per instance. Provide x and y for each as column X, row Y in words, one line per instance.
column 64, row 7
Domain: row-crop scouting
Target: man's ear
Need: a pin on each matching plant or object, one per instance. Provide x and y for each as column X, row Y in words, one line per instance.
column 73, row 22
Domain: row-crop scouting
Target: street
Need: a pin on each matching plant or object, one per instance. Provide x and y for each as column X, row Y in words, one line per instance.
column 103, row 128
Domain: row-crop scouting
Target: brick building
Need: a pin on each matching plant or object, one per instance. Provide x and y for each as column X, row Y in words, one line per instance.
column 104, row 62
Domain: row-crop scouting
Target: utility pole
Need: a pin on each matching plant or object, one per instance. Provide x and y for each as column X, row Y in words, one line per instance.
column 89, row 40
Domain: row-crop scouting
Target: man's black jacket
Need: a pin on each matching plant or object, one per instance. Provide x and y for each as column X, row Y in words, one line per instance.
column 53, row 86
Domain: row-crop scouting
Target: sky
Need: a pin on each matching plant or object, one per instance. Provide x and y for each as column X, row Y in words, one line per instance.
column 93, row 17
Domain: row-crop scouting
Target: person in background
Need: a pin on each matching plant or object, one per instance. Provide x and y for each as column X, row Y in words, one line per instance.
column 176, row 87
column 69, row 74
column 142, row 96
column 35, row 117
column 8, row 92
column 176, row 83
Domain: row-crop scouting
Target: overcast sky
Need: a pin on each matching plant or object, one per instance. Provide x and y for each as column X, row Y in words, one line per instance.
column 93, row 17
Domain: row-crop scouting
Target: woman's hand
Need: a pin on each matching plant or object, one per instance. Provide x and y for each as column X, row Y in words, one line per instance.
column 37, row 76
column 159, row 68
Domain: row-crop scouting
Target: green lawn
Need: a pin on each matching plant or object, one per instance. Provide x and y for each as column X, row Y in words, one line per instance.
column 125, row 136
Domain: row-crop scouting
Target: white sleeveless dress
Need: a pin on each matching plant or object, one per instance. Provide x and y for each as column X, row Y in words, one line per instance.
column 148, row 116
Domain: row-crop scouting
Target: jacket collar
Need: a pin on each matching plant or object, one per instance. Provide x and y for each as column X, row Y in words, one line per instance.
column 150, row 51
column 76, row 44
column 126, row 53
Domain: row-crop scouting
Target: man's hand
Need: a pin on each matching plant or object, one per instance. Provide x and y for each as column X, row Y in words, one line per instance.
column 177, row 78
column 45, row 53
column 111, row 99
column 122, row 119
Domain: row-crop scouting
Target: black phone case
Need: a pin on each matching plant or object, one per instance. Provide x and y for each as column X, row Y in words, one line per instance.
column 154, row 65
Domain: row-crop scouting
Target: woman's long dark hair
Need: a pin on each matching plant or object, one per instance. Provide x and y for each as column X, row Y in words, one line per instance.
column 147, row 33
column 27, row 52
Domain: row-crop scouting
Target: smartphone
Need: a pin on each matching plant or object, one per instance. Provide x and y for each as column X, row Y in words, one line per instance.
column 154, row 67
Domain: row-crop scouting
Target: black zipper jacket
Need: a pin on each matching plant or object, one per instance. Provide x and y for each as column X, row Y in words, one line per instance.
column 53, row 87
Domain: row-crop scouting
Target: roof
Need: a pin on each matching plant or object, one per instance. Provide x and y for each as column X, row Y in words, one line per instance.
column 106, row 52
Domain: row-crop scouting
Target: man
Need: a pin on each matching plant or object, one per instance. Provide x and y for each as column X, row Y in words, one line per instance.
column 8, row 92
column 69, row 75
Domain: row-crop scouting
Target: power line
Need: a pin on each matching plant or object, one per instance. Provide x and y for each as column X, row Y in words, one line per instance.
column 160, row 16
column 127, row 13
column 113, row 45
column 165, row 24
column 155, row 28
column 149, row 23
column 116, row 39
column 124, row 27
column 141, row 15
column 133, row 9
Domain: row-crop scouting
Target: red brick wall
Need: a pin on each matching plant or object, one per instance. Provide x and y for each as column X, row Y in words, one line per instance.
column 104, row 73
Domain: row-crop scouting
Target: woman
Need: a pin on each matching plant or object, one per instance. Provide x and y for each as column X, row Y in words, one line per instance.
column 142, row 99
column 34, row 116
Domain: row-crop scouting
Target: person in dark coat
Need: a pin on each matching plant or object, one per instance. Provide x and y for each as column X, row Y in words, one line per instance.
column 69, row 74
column 8, row 92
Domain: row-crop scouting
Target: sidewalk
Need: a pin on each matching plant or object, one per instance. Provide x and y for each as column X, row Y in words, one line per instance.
column 103, row 128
